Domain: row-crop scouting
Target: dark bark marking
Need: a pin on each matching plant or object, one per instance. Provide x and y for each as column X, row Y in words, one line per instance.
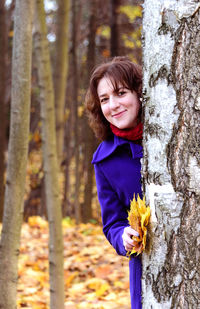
column 163, row 73
column 185, row 139
column 169, row 23
column 154, row 129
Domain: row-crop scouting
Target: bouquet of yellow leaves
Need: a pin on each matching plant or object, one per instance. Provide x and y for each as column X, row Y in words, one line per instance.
column 138, row 218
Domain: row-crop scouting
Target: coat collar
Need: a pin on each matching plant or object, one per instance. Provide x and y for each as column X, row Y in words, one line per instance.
column 107, row 147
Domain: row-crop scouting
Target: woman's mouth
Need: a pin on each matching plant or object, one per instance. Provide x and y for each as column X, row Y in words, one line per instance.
column 117, row 115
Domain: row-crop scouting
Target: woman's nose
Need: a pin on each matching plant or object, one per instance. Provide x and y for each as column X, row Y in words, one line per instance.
column 113, row 102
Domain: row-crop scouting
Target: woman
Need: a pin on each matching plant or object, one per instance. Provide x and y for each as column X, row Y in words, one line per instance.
column 114, row 110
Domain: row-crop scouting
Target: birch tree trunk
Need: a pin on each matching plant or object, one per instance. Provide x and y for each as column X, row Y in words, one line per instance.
column 52, row 191
column 61, row 69
column 17, row 153
column 171, row 164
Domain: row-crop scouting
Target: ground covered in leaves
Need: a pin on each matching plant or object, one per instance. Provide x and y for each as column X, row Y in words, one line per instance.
column 95, row 276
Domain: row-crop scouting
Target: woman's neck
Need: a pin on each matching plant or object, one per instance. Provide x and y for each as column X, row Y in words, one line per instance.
column 131, row 134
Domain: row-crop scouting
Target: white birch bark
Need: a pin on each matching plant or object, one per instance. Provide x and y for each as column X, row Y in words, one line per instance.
column 17, row 153
column 51, row 170
column 171, row 164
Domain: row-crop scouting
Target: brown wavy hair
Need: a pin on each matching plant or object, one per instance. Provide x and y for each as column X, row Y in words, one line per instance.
column 120, row 71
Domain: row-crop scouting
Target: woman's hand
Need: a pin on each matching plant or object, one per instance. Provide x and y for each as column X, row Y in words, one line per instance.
column 126, row 236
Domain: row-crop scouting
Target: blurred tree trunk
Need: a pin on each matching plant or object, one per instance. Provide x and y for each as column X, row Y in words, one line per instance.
column 60, row 71
column 171, row 169
column 3, row 44
column 75, row 77
column 51, row 170
column 17, row 153
column 115, row 37
column 90, row 140
column 67, row 205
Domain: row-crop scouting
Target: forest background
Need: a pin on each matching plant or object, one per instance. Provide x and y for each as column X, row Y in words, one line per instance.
column 69, row 39
column 51, row 52
column 92, row 34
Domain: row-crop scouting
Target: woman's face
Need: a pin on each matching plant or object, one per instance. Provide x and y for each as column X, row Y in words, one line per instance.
column 120, row 109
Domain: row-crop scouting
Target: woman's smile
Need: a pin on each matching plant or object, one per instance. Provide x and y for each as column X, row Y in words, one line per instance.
column 117, row 115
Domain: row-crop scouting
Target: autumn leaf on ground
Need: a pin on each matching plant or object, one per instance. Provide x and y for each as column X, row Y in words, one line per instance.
column 95, row 276
column 37, row 221
column 138, row 218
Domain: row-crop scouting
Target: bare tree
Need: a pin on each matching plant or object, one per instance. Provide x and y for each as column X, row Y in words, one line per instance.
column 51, row 170
column 171, row 168
column 3, row 44
column 75, row 122
column 114, row 38
column 17, row 153
column 61, row 70
column 88, row 134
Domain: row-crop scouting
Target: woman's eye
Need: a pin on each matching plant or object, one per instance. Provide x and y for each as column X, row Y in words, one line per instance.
column 120, row 93
column 103, row 100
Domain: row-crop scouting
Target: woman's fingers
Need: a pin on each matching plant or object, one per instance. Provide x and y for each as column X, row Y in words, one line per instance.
column 126, row 236
column 131, row 232
column 128, row 248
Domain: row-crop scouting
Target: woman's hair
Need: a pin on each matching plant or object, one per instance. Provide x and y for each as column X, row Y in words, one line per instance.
column 121, row 72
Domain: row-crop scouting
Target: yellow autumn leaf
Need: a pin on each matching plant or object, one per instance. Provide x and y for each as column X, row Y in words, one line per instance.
column 138, row 218
column 103, row 288
column 95, row 283
column 37, row 221
column 118, row 284
column 80, row 111
column 131, row 11
column 11, row 34
column 68, row 222
column 70, row 278
column 105, row 53
column 104, row 31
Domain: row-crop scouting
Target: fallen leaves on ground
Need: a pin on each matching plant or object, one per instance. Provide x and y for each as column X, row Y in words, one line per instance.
column 95, row 276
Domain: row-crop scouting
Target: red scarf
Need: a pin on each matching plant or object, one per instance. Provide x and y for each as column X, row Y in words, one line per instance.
column 132, row 134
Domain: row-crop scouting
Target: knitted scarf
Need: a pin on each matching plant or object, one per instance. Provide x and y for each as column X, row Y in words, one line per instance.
column 132, row 134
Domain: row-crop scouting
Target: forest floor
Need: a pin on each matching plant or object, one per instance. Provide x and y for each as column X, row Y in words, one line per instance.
column 95, row 276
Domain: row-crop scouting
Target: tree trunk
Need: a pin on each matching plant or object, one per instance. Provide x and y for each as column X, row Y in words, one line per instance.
column 3, row 44
column 114, row 38
column 171, row 165
column 61, row 70
column 75, row 109
column 88, row 133
column 67, row 205
column 52, row 190
column 17, row 153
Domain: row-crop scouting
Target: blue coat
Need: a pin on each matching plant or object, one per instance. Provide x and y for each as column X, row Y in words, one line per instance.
column 117, row 170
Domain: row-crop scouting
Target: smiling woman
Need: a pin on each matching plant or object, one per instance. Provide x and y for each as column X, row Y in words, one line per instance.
column 119, row 76
column 119, row 106
column 113, row 106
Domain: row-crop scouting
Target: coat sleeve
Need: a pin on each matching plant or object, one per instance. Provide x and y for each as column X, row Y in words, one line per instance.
column 114, row 213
